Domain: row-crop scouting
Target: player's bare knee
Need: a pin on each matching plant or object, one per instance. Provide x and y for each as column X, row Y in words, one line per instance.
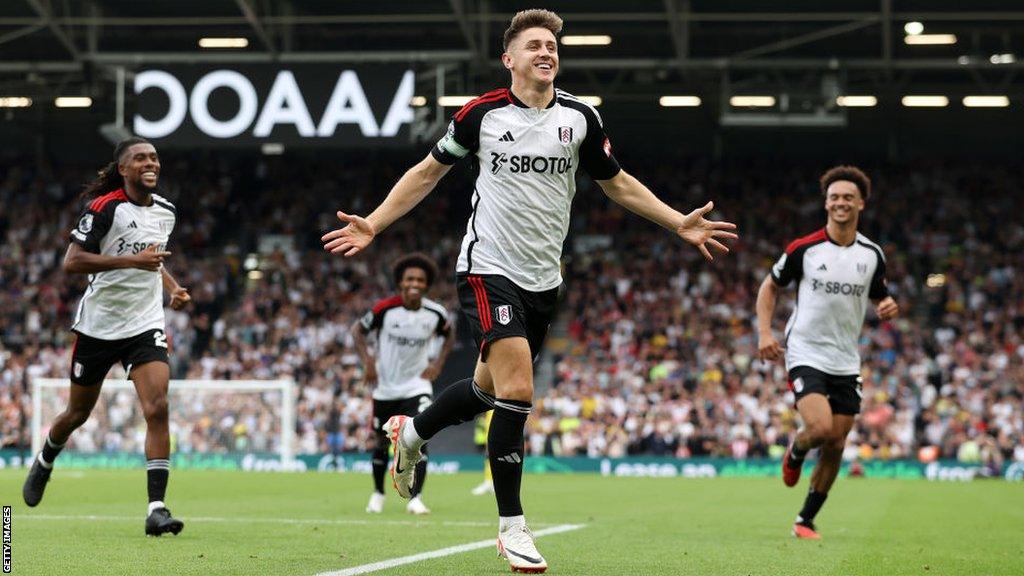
column 835, row 445
column 819, row 432
column 155, row 411
column 75, row 417
column 519, row 389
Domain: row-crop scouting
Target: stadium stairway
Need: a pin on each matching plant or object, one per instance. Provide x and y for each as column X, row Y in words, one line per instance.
column 556, row 345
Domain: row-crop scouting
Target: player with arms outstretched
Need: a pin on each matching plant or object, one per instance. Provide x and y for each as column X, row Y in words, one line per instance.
column 120, row 242
column 528, row 140
column 402, row 372
column 837, row 270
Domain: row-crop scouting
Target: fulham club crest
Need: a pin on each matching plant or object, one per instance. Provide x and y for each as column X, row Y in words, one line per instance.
column 565, row 134
column 503, row 313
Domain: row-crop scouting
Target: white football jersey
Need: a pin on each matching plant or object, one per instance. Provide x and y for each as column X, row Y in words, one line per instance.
column 122, row 303
column 527, row 160
column 834, row 285
column 403, row 345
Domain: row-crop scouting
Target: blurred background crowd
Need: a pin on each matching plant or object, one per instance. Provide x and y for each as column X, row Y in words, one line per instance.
column 654, row 351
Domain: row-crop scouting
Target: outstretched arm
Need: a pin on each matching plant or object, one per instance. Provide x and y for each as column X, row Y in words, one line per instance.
column 409, row 191
column 629, row 192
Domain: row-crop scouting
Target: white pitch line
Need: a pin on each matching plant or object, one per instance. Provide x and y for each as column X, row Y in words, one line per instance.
column 339, row 521
column 385, row 564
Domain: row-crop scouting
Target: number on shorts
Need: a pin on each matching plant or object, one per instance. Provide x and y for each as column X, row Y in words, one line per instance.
column 159, row 339
column 424, row 403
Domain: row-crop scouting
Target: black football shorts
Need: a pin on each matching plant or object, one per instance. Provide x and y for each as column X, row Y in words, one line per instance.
column 843, row 392
column 497, row 308
column 92, row 358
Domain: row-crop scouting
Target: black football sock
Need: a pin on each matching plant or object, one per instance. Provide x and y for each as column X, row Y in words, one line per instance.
column 380, row 466
column 458, row 403
column 157, row 472
column 812, row 505
column 51, row 450
column 797, row 455
column 420, row 475
column 505, row 453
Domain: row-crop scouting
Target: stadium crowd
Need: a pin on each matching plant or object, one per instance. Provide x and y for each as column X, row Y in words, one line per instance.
column 659, row 349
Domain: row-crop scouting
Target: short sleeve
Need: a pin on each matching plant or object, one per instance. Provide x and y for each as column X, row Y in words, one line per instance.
column 461, row 139
column 370, row 321
column 789, row 267
column 91, row 228
column 879, row 288
column 596, row 150
column 444, row 325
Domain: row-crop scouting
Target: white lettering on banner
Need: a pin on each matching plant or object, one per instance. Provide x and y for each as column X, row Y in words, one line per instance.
column 936, row 471
column 284, row 106
column 247, row 103
column 252, row 463
column 658, row 469
column 347, row 105
column 400, row 111
column 175, row 113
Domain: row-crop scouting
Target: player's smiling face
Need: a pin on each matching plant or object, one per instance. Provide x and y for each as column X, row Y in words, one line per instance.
column 843, row 202
column 140, row 166
column 413, row 286
column 533, row 56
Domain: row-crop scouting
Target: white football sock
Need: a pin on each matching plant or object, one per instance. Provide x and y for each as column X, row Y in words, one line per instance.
column 410, row 437
column 506, row 522
column 154, row 505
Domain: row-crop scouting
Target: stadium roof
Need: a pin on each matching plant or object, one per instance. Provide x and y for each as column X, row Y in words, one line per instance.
column 676, row 39
column 804, row 53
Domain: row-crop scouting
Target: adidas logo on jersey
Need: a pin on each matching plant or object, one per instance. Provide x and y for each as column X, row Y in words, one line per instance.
column 507, row 137
column 133, row 224
column 512, row 458
column 822, row 267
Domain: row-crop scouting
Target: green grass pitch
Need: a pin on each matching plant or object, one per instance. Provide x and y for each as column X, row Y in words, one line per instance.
column 91, row 522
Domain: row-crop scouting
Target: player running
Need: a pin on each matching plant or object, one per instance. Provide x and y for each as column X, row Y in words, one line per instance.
column 402, row 372
column 528, row 140
column 120, row 242
column 837, row 270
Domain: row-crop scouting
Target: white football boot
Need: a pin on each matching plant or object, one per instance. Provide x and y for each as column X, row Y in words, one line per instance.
column 403, row 465
column 417, row 507
column 485, row 487
column 515, row 544
column 376, row 503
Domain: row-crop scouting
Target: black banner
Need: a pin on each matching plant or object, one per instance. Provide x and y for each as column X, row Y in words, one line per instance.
column 246, row 105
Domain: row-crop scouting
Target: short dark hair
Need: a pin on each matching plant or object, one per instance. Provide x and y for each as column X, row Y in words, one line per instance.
column 850, row 174
column 415, row 260
column 535, row 18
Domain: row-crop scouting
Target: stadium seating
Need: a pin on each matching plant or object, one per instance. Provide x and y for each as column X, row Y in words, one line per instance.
column 660, row 350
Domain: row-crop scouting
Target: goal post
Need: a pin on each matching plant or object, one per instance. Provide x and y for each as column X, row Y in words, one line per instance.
column 193, row 392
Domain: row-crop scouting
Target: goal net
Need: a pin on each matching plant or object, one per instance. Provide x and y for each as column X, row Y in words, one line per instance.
column 206, row 417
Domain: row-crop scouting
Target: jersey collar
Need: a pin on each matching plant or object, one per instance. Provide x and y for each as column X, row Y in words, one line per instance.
column 832, row 240
column 521, row 104
column 130, row 201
